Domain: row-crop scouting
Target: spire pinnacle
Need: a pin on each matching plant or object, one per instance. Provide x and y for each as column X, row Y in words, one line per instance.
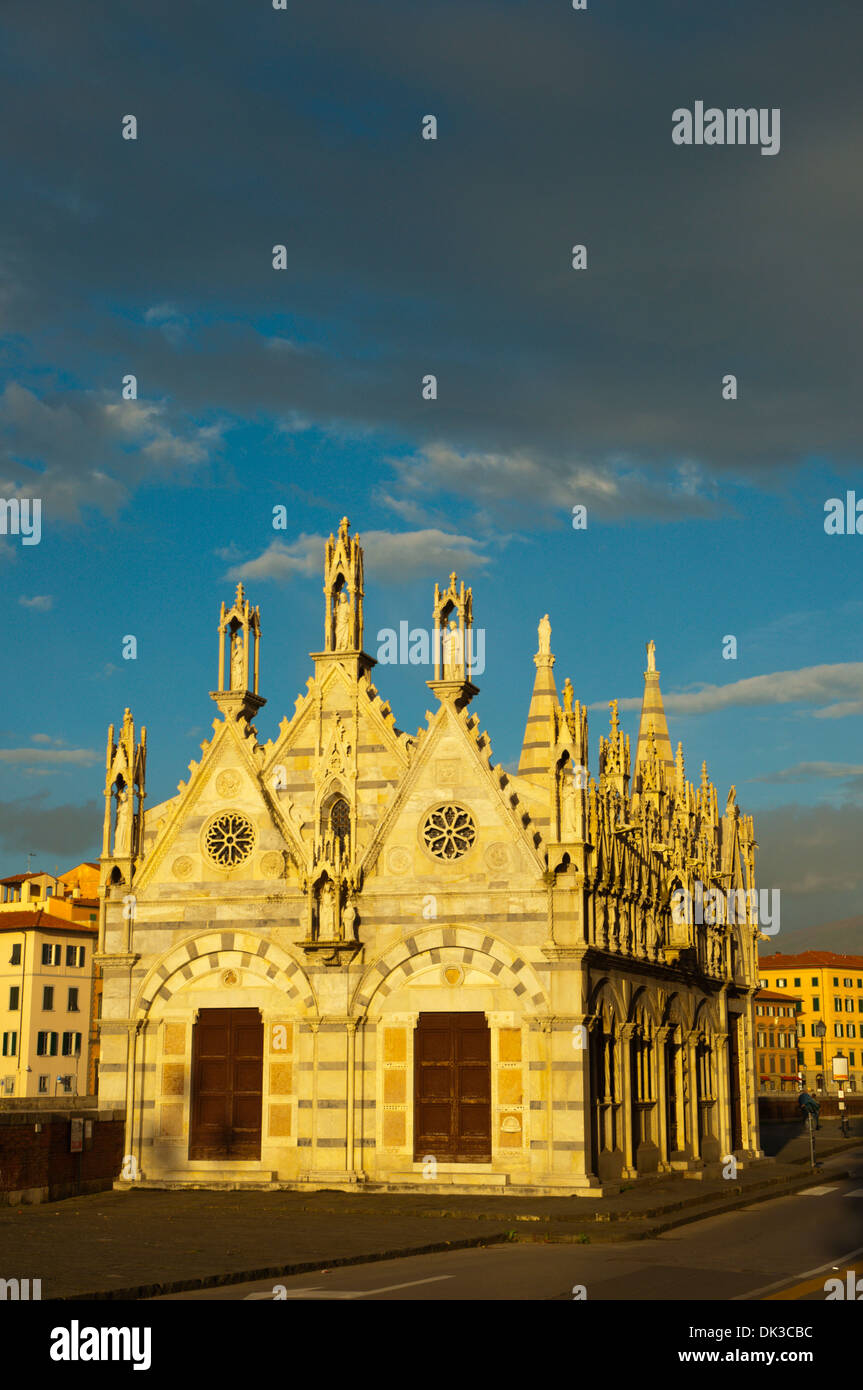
column 653, row 718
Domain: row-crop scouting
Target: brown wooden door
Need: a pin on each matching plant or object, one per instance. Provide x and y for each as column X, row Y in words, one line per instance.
column 227, row 1081
column 452, row 1088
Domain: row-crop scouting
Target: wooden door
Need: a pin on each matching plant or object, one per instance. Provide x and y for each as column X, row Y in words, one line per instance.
column 452, row 1088
column 227, row 1084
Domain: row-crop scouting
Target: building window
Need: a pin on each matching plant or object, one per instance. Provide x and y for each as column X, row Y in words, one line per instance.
column 837, row 1006
column 761, row 1067
column 780, row 984
column 10, row 1044
column 449, row 832
column 772, row 1064
column 851, row 1061
column 816, row 1005
column 849, row 1006
column 43, row 1085
column 801, row 1030
column 759, row 1009
column 14, row 997
column 72, row 1005
column 818, row 1057
column 797, row 981
column 814, row 981
column 850, row 1030
column 837, row 1030
column 70, row 955
column 48, row 997
column 71, row 1044
column 835, row 979
column 46, row 954
column 46, row 1044
column 229, row 839
column 15, row 958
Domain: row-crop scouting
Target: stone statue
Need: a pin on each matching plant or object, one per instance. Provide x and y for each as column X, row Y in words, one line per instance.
column 544, row 634
column 238, row 678
column 568, row 695
column 651, row 655
column 729, row 805
column 327, row 913
column 452, row 652
column 343, row 622
column 123, row 834
column 568, row 808
column 349, row 917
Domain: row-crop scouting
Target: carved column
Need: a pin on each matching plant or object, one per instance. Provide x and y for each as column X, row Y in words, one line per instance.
column 627, row 1080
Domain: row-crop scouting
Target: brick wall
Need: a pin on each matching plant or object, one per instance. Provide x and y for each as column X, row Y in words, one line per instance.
column 39, row 1167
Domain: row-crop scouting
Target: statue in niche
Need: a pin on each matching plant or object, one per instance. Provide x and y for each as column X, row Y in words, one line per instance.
column 568, row 806
column 343, row 622
column 327, row 913
column 349, row 919
column 568, row 695
column 544, row 635
column 123, row 834
column 452, row 652
column 238, row 678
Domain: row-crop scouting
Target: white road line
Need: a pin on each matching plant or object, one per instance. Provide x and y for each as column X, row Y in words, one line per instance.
column 836, row 1263
column 349, row 1293
column 858, row 1192
column 816, row 1191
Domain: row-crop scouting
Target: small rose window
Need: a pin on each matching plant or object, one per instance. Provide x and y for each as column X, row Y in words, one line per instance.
column 449, row 832
column 229, row 839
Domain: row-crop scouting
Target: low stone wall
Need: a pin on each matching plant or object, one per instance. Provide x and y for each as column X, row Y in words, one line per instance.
column 785, row 1107
column 36, row 1162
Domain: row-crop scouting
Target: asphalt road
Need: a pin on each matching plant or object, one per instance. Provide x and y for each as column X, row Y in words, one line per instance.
column 780, row 1249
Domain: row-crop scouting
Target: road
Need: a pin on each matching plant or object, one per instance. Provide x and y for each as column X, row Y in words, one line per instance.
column 774, row 1250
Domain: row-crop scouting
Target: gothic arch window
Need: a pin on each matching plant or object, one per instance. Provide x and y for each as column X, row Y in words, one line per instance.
column 336, row 820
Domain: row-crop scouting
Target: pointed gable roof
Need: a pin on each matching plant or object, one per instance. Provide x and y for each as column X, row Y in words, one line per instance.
column 537, row 745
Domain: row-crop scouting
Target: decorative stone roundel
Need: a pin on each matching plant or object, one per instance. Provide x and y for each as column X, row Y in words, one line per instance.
column 497, row 856
column 182, row 867
column 228, row 782
column 272, row 864
column 399, row 860
column 229, row 839
column 448, row 832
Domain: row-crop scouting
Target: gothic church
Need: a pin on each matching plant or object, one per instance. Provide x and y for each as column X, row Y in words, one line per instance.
column 350, row 955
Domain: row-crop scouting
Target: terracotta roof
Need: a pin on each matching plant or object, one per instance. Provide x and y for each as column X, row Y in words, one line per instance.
column 22, row 878
column 773, row 994
column 813, row 958
column 38, row 918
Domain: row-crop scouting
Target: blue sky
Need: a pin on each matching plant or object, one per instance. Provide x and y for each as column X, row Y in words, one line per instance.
column 555, row 387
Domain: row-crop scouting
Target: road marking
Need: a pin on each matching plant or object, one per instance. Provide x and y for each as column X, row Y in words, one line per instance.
column 840, row 1260
column 815, row 1191
column 349, row 1293
column 858, row 1192
column 797, row 1291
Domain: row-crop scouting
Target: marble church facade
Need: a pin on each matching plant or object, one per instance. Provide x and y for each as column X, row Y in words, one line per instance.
column 349, row 955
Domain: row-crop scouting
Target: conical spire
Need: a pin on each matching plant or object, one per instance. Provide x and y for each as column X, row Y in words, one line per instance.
column 653, row 717
column 536, row 749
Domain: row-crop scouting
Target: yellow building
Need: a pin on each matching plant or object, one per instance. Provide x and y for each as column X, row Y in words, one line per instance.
column 350, row 955
column 48, row 931
column 830, row 988
column 776, row 1040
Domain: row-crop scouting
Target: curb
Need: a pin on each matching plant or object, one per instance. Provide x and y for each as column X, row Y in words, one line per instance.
column 777, row 1188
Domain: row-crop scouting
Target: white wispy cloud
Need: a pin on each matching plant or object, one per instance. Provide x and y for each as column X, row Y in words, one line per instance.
column 394, row 554
column 810, row 685
column 77, row 757
column 42, row 603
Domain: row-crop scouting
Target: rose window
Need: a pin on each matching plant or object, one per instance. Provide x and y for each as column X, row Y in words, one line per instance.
column 449, row 832
column 229, row 839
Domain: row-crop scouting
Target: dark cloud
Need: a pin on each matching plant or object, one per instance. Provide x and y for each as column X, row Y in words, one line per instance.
column 405, row 257
column 31, row 825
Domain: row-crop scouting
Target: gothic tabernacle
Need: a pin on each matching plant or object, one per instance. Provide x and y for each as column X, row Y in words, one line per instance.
column 351, row 955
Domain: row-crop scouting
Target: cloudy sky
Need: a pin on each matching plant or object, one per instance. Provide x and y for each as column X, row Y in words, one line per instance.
column 557, row 388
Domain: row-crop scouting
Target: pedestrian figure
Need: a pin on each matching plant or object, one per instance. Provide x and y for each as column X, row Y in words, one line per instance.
column 809, row 1105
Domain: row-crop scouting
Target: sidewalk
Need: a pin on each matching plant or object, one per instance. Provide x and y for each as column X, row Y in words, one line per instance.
column 136, row 1244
